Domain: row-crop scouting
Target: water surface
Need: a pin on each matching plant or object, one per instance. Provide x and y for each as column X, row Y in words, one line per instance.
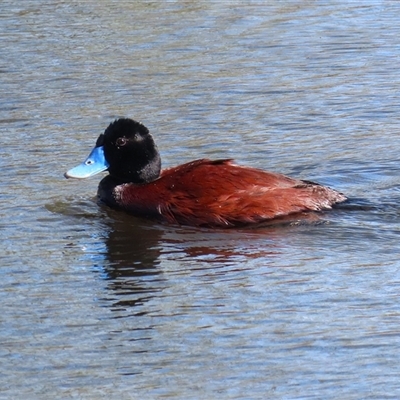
column 98, row 304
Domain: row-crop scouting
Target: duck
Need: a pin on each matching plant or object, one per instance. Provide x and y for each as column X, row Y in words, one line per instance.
column 203, row 193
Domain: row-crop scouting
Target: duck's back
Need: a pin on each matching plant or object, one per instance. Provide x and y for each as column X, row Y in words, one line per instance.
column 222, row 194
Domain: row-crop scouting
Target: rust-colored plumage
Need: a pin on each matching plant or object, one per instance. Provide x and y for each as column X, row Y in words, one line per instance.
column 222, row 194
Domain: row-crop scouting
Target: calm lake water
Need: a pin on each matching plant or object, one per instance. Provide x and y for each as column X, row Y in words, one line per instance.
column 97, row 304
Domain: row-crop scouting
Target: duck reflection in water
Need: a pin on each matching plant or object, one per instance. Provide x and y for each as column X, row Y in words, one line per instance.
column 132, row 261
column 133, row 267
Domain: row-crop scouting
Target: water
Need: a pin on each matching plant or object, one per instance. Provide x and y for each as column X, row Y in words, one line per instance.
column 98, row 304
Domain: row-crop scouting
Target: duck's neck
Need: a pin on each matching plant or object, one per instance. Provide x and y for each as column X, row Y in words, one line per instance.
column 137, row 174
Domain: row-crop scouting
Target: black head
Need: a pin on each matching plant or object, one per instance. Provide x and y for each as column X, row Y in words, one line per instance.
column 130, row 151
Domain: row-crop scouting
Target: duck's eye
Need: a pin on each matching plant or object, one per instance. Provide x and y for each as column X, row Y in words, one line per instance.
column 121, row 141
